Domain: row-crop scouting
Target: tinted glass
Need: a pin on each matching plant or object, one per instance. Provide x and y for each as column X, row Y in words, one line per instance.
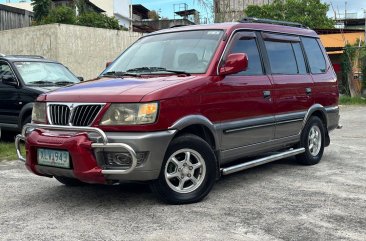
column 5, row 69
column 249, row 46
column 281, row 57
column 315, row 56
column 299, row 58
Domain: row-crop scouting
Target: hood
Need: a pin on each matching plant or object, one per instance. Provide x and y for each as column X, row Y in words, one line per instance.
column 43, row 89
column 113, row 90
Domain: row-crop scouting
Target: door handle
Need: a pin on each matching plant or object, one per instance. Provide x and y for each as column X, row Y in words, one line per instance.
column 266, row 94
column 308, row 91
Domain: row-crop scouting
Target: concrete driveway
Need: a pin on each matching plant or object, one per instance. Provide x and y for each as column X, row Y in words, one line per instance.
column 277, row 201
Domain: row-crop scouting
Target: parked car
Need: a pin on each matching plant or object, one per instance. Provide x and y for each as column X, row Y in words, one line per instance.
column 23, row 78
column 181, row 106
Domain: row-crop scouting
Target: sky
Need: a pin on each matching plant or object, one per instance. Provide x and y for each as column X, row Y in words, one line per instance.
column 167, row 9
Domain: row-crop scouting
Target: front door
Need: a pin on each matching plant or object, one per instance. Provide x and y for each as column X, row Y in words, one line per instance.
column 244, row 107
column 9, row 107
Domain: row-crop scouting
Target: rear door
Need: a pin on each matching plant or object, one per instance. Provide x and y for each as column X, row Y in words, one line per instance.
column 325, row 90
column 293, row 86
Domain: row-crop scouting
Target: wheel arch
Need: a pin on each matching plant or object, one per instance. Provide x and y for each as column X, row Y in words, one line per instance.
column 200, row 126
column 320, row 112
column 24, row 113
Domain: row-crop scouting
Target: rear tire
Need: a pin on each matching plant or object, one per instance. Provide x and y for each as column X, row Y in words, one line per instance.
column 312, row 139
column 188, row 172
column 70, row 182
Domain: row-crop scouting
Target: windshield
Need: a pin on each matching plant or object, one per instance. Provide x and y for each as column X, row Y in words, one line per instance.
column 44, row 73
column 179, row 52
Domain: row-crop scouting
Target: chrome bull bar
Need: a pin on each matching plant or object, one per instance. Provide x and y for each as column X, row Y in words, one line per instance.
column 31, row 127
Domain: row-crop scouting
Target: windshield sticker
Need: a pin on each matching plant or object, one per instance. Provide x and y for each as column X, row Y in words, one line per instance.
column 213, row 32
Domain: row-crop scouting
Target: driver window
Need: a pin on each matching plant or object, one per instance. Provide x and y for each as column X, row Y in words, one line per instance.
column 248, row 44
column 5, row 70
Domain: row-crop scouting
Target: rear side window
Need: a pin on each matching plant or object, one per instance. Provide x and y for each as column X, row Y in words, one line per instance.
column 281, row 57
column 299, row 58
column 249, row 46
column 315, row 55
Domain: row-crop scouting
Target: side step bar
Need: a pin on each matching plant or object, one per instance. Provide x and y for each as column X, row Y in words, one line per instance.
column 261, row 161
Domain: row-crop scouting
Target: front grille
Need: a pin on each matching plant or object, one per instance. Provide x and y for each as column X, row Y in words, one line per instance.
column 73, row 114
column 59, row 114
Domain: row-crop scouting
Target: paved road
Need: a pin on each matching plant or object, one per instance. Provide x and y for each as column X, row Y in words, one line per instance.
column 278, row 201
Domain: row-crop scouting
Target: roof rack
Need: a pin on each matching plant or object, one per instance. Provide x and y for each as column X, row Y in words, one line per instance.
column 25, row 56
column 270, row 21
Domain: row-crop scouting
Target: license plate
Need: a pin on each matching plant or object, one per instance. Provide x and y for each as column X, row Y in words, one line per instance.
column 53, row 158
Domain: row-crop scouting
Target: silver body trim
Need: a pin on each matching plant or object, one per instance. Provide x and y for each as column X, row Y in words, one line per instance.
column 261, row 161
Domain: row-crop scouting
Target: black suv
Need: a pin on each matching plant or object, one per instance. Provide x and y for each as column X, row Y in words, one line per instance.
column 22, row 79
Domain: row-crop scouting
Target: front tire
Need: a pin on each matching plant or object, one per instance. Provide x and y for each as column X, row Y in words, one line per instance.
column 188, row 172
column 312, row 139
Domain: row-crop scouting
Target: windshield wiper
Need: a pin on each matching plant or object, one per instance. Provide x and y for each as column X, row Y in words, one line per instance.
column 157, row 69
column 62, row 83
column 41, row 82
column 120, row 74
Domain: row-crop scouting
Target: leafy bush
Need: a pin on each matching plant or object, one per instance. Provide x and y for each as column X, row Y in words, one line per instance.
column 67, row 15
column 93, row 19
column 60, row 14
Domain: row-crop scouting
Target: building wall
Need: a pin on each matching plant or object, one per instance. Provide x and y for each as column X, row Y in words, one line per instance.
column 233, row 10
column 84, row 50
column 11, row 18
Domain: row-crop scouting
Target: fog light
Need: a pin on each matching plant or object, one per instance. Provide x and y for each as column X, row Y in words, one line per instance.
column 123, row 160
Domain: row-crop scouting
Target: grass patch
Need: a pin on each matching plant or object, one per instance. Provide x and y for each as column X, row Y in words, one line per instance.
column 347, row 100
column 7, row 151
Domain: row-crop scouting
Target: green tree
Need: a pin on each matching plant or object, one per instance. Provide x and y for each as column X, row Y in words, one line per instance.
column 353, row 65
column 81, row 6
column 97, row 20
column 153, row 15
column 60, row 14
column 311, row 13
column 41, row 9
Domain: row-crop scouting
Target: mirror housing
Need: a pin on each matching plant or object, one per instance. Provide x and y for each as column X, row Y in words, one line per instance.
column 9, row 80
column 234, row 63
column 80, row 78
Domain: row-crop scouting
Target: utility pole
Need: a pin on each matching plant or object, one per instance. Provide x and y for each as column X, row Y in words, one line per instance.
column 345, row 10
column 364, row 14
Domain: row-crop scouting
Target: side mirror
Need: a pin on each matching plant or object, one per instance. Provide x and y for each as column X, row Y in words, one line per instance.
column 234, row 63
column 80, row 78
column 107, row 64
column 9, row 80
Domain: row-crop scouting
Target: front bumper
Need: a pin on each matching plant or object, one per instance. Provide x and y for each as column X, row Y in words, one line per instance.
column 86, row 146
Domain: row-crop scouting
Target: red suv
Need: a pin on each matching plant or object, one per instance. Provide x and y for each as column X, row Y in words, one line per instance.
column 180, row 105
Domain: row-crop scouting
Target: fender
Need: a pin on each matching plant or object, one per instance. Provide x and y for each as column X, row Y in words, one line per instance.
column 26, row 108
column 312, row 109
column 323, row 111
column 196, row 120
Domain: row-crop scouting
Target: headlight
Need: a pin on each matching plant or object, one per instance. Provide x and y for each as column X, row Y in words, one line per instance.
column 130, row 114
column 39, row 113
